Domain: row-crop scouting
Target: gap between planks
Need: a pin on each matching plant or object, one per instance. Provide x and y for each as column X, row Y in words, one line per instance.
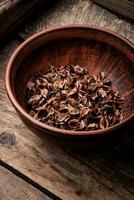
column 29, row 185
column 100, row 172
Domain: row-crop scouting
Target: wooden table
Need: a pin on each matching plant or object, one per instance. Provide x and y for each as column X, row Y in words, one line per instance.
column 35, row 169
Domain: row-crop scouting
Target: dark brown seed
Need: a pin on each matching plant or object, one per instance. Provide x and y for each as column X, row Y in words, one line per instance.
column 102, row 93
column 74, row 124
column 50, row 110
column 69, row 97
column 73, row 91
column 44, row 92
column 78, row 69
column 84, row 111
column 92, row 126
column 68, row 81
column 34, row 98
column 101, row 76
column 73, row 102
column 61, row 117
column 32, row 113
column 51, row 100
column 74, row 112
column 63, row 107
column 82, row 125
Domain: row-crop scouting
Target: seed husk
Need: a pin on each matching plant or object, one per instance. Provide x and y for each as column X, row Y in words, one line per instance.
column 69, row 97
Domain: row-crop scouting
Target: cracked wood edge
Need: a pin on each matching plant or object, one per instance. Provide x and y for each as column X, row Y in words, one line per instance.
column 13, row 188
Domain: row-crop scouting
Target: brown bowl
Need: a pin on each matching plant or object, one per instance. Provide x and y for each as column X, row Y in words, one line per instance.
column 96, row 48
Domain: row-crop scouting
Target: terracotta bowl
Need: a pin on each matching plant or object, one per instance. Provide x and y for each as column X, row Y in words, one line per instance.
column 96, row 48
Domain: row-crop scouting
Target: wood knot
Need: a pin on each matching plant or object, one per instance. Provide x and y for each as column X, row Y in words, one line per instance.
column 7, row 138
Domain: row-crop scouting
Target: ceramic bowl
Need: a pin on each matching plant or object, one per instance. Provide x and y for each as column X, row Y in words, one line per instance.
column 96, row 48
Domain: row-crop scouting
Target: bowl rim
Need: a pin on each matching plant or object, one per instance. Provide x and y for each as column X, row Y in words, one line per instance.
column 41, row 125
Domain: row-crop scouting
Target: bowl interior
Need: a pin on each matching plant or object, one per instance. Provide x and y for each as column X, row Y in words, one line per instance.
column 94, row 49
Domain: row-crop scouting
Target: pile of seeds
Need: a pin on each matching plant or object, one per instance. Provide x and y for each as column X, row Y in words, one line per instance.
column 71, row 98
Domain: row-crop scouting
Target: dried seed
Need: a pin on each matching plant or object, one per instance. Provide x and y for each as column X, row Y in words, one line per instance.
column 74, row 112
column 92, row 125
column 61, row 117
column 63, row 107
column 42, row 107
column 107, row 82
column 50, row 110
column 69, row 97
column 74, row 124
column 72, row 92
column 68, row 81
column 117, row 113
column 85, row 111
column 61, row 84
column 121, row 117
column 82, row 125
column 32, row 113
column 73, row 102
column 78, row 69
column 56, row 84
column 51, row 100
column 102, row 93
column 78, row 85
column 34, row 98
column 44, row 92
column 101, row 76
column 102, row 123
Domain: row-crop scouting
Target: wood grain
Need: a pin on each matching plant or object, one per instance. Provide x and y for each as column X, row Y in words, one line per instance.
column 70, row 175
column 105, row 173
column 123, row 7
column 12, row 13
column 77, row 12
column 14, row 188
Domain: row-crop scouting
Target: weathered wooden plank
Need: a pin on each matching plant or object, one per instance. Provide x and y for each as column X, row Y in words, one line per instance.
column 14, row 12
column 123, row 7
column 88, row 175
column 14, row 188
column 106, row 173
column 77, row 12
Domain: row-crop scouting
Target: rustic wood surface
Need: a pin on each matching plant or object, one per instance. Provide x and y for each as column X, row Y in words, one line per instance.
column 123, row 7
column 14, row 12
column 13, row 187
column 106, row 173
